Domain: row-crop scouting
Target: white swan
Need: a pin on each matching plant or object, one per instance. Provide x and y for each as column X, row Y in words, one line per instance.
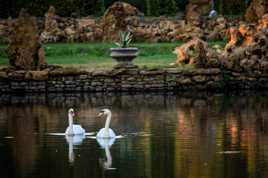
column 106, row 132
column 73, row 129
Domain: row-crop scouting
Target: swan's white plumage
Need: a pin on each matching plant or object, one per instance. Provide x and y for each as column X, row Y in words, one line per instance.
column 103, row 133
column 73, row 129
column 77, row 130
column 106, row 132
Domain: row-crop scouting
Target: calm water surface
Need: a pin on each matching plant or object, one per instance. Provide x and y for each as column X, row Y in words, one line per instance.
column 166, row 136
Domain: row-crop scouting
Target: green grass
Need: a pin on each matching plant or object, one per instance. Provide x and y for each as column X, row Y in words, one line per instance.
column 96, row 55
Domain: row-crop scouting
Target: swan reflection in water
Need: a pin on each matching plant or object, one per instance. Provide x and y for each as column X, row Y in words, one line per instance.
column 72, row 141
column 106, row 144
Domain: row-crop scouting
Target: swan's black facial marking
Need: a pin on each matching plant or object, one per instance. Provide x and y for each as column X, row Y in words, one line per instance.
column 101, row 113
column 71, row 111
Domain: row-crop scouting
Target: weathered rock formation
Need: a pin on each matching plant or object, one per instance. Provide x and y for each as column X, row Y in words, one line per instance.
column 247, row 49
column 89, row 30
column 156, row 30
column 209, row 29
column 256, row 10
column 58, row 29
column 52, row 32
column 24, row 48
column 216, row 29
column 263, row 23
column 118, row 17
column 123, row 16
column 195, row 9
column 198, row 53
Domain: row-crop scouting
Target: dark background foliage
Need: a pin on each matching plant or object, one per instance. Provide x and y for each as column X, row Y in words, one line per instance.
column 79, row 8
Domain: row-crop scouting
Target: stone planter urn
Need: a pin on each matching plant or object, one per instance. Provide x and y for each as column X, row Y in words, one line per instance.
column 124, row 56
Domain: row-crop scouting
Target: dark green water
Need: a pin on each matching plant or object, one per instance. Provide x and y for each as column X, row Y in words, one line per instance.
column 189, row 135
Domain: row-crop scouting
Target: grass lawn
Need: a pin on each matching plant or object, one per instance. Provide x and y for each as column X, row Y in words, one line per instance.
column 96, row 55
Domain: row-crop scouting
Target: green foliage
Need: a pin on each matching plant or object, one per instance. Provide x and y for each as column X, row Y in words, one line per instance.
column 125, row 39
column 97, row 55
column 152, row 8
column 94, row 55
column 148, row 8
column 168, row 7
column 97, row 7
column 181, row 4
column 230, row 7
column 100, row 8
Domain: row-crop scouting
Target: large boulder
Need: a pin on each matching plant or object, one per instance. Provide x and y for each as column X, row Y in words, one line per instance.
column 196, row 52
column 118, row 17
column 256, row 10
column 24, row 48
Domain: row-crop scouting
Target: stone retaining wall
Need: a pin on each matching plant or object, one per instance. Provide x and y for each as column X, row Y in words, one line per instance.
column 134, row 79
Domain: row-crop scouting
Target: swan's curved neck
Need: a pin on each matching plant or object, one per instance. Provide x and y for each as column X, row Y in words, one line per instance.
column 108, row 120
column 70, row 120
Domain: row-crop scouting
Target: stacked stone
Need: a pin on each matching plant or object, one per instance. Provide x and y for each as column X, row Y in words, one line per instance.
column 89, row 30
column 128, row 80
column 58, row 29
column 4, row 30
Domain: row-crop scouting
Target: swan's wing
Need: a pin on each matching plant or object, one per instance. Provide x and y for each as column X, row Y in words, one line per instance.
column 111, row 133
column 67, row 130
column 100, row 133
column 78, row 129
column 89, row 133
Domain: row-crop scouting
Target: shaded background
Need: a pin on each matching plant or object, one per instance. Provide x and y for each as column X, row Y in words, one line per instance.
column 80, row 8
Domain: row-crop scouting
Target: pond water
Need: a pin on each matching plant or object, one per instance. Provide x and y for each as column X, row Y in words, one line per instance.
column 187, row 135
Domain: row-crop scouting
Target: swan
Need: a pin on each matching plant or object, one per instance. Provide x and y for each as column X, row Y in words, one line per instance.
column 73, row 129
column 106, row 132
